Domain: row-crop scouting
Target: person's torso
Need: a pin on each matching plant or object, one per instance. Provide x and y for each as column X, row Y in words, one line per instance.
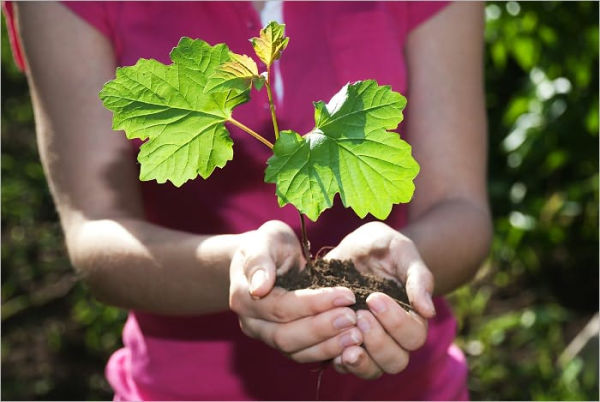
column 331, row 44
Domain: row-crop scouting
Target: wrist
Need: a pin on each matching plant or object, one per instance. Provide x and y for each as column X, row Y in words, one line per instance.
column 219, row 247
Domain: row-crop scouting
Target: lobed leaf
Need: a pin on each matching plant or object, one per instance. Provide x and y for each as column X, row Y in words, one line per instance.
column 270, row 43
column 349, row 151
column 167, row 105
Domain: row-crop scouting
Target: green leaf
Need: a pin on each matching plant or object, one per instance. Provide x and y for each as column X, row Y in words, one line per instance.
column 239, row 73
column 166, row 104
column 271, row 42
column 350, row 151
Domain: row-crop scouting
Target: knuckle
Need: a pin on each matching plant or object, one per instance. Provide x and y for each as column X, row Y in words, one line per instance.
column 281, row 233
column 275, row 226
column 405, row 246
column 272, row 224
column 375, row 226
column 281, row 341
column 278, row 313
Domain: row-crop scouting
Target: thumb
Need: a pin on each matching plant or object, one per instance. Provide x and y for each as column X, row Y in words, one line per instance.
column 260, row 274
column 419, row 288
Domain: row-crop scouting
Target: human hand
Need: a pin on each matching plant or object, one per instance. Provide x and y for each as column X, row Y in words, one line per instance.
column 308, row 325
column 389, row 332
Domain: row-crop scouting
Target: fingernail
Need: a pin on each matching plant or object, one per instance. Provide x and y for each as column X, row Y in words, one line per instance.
column 258, row 278
column 363, row 324
column 350, row 338
column 344, row 321
column 430, row 305
column 338, row 361
column 347, row 299
column 376, row 304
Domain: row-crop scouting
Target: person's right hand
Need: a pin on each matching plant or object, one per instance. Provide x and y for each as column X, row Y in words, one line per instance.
column 308, row 325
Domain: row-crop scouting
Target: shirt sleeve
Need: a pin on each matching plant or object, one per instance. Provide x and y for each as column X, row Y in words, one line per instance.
column 13, row 38
column 420, row 11
column 408, row 15
column 95, row 13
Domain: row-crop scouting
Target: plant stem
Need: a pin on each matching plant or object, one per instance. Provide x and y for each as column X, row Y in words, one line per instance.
column 271, row 104
column 250, row 131
column 305, row 242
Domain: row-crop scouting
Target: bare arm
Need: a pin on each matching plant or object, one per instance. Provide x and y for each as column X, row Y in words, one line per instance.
column 450, row 218
column 127, row 261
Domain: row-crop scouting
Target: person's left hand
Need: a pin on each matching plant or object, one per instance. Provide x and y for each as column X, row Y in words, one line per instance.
column 389, row 332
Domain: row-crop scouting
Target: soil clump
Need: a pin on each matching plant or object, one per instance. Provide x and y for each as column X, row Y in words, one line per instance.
column 321, row 273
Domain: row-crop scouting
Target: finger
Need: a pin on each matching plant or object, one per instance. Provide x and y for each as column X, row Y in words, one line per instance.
column 258, row 268
column 409, row 330
column 419, row 288
column 330, row 348
column 357, row 361
column 303, row 333
column 380, row 346
column 349, row 248
column 285, row 306
column 339, row 366
column 239, row 296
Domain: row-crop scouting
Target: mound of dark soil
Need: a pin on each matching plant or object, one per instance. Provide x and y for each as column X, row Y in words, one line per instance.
column 320, row 273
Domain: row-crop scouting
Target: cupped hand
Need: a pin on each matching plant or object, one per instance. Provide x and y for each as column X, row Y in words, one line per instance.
column 308, row 325
column 389, row 332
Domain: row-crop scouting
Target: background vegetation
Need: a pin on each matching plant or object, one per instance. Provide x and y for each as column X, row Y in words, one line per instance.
column 535, row 292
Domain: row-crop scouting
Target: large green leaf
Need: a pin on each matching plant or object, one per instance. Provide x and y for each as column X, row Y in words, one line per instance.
column 166, row 104
column 350, row 151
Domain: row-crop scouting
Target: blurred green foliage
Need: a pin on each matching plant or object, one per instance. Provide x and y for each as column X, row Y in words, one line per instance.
column 536, row 290
column 540, row 283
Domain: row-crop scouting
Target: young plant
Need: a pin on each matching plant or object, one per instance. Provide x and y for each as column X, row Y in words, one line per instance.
column 181, row 110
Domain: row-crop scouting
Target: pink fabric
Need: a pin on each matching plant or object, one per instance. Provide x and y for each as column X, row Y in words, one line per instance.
column 207, row 357
column 7, row 7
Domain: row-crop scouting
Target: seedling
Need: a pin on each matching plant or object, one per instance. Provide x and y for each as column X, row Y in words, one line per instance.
column 181, row 110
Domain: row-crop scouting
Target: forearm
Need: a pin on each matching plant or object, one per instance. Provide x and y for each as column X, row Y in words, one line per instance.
column 453, row 238
column 134, row 264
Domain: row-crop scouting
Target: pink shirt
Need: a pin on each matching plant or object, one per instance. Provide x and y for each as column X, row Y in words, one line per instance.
column 207, row 357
